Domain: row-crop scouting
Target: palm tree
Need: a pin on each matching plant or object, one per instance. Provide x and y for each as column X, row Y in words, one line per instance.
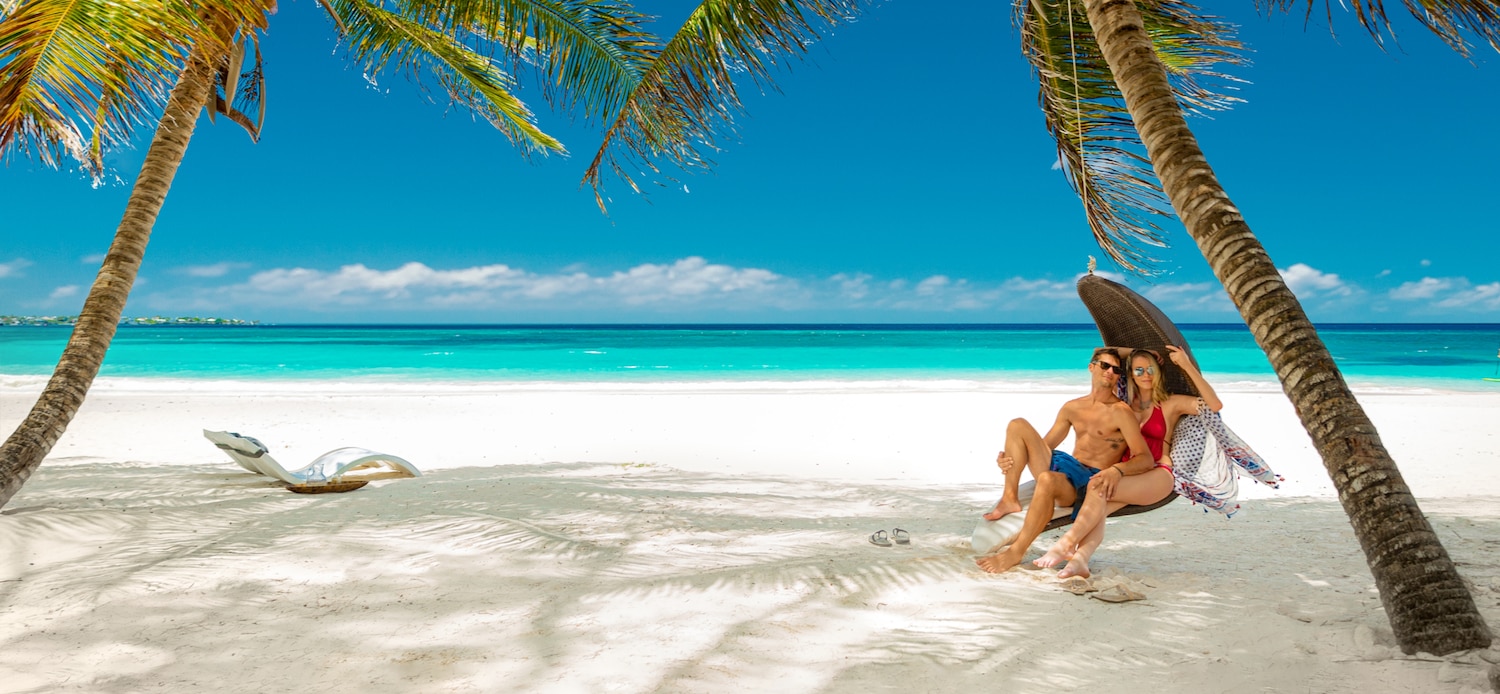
column 1091, row 55
column 71, row 67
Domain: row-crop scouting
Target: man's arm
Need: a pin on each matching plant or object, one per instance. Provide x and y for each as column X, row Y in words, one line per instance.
column 1140, row 461
column 1060, row 428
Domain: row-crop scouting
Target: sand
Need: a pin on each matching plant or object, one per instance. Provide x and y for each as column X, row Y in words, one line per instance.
column 687, row 538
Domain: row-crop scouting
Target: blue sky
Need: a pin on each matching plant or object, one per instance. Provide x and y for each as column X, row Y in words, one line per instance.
column 902, row 174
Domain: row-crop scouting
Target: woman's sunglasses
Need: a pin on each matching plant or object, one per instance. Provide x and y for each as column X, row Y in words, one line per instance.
column 1144, row 371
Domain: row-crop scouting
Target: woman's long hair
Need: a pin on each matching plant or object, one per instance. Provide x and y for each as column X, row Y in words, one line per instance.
column 1158, row 382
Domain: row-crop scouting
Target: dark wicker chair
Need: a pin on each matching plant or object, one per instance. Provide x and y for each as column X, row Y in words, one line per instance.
column 1127, row 319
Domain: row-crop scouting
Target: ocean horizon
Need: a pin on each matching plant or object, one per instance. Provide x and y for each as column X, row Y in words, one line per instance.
column 1446, row 356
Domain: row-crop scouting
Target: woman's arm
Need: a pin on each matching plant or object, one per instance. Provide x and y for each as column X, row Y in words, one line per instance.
column 1205, row 391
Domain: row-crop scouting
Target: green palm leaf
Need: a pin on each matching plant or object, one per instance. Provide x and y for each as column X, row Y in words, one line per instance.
column 1450, row 20
column 382, row 39
column 73, row 66
column 589, row 52
column 76, row 71
column 687, row 99
column 1097, row 143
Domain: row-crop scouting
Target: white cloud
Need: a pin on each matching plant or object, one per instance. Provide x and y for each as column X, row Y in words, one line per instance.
column 685, row 281
column 1306, row 281
column 14, row 267
column 686, row 278
column 1450, row 293
column 1426, row 263
column 1384, row 273
column 1038, row 289
column 214, row 270
column 1427, row 288
column 856, row 286
column 64, row 291
column 1484, row 295
column 932, row 285
column 92, row 259
column 1200, row 297
column 685, row 286
column 693, row 286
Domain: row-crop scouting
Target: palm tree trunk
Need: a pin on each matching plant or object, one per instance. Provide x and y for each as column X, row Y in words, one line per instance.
column 1426, row 601
column 23, row 452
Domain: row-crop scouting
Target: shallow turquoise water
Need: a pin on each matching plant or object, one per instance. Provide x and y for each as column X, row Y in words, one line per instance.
column 1440, row 356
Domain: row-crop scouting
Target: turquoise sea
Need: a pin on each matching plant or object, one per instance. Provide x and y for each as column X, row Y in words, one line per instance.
column 1444, row 356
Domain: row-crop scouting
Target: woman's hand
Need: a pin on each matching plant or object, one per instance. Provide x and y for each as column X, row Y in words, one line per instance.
column 1205, row 391
column 1179, row 357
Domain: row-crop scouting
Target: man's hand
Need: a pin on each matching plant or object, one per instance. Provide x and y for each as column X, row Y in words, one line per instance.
column 1104, row 483
column 1005, row 462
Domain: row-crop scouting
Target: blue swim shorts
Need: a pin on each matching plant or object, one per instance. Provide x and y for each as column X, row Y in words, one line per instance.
column 1077, row 473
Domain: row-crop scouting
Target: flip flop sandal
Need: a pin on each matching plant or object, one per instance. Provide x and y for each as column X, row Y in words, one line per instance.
column 1078, row 585
column 879, row 539
column 1117, row 593
column 901, row 536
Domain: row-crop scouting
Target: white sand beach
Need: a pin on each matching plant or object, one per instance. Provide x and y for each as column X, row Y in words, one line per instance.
column 687, row 538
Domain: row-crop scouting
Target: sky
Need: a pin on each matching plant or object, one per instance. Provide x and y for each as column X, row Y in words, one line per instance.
column 900, row 174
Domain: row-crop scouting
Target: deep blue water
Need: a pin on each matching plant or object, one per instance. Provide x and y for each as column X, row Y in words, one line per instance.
column 1403, row 355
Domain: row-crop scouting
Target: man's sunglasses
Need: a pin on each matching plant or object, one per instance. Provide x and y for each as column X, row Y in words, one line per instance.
column 1144, row 371
column 1119, row 370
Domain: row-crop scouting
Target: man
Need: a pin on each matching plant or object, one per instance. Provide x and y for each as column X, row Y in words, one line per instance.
column 1106, row 436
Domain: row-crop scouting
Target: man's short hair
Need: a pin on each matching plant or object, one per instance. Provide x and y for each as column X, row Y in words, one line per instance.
column 1107, row 351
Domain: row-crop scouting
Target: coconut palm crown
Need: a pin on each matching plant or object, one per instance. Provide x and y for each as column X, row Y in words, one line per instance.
column 1135, row 61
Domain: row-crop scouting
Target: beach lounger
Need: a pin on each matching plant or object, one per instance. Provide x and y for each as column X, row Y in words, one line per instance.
column 331, row 467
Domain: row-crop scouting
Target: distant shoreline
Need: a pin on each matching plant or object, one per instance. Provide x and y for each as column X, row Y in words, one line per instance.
column 152, row 321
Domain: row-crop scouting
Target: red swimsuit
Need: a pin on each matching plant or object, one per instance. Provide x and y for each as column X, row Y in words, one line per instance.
column 1155, row 433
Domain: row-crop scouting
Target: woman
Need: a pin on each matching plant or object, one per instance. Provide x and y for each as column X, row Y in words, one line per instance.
column 1158, row 412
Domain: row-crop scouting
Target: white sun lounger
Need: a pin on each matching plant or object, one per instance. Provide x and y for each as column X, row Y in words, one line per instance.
column 332, row 466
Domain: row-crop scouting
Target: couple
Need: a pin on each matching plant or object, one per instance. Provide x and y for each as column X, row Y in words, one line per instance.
column 1119, row 456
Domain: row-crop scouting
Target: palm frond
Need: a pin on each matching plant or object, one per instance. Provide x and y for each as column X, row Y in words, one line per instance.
column 241, row 92
column 384, row 40
column 1097, row 144
column 687, row 99
column 76, row 71
column 73, row 66
column 1451, row 20
column 589, row 52
column 237, row 92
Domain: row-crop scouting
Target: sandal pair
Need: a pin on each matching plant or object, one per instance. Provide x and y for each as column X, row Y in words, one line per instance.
column 881, row 539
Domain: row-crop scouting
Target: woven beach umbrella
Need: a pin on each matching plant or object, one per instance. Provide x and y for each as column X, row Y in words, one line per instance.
column 1127, row 319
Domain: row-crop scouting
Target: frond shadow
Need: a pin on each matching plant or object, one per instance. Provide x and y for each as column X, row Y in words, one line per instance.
column 583, row 576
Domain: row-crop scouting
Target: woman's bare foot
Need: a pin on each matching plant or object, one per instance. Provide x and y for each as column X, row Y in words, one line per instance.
column 1002, row 509
column 1077, row 566
column 1003, row 561
column 1061, row 551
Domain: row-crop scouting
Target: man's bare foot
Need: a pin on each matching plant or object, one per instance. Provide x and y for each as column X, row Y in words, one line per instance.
column 1003, row 561
column 1077, row 566
column 1002, row 509
column 1057, row 555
